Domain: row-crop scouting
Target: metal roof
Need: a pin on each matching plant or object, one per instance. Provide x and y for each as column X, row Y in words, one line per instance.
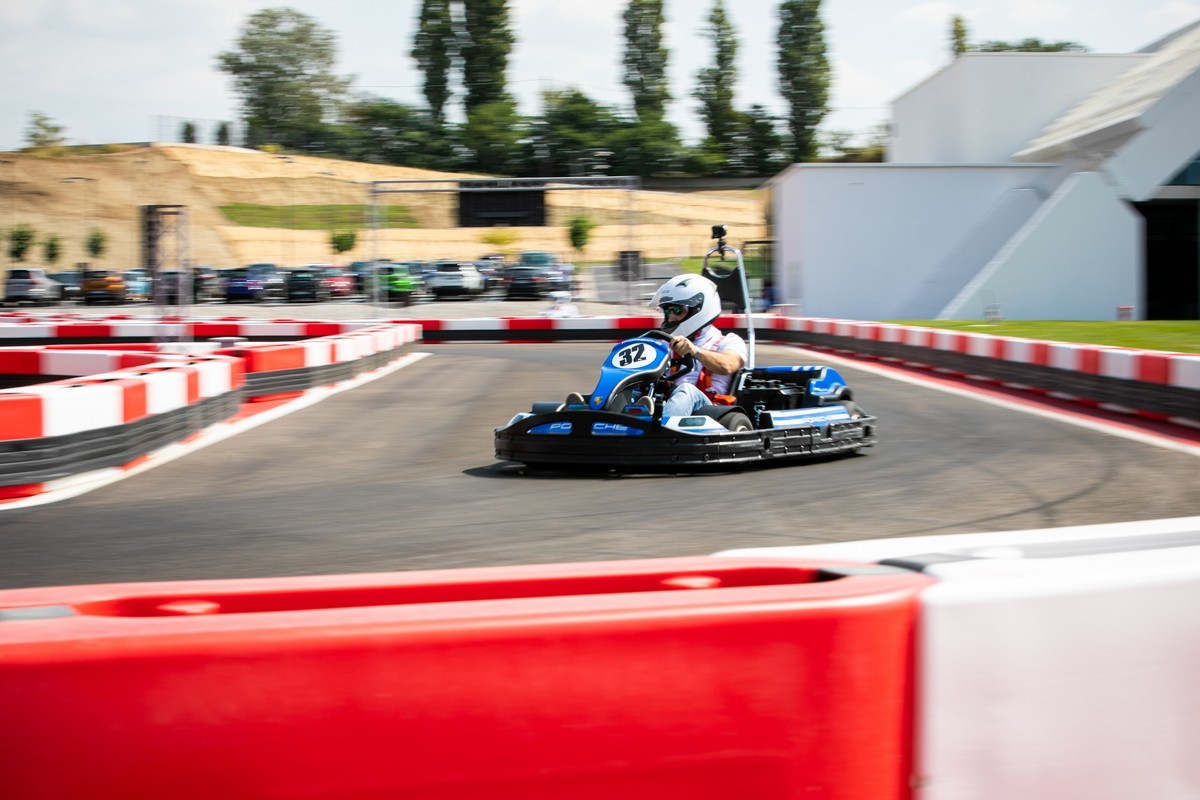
column 1116, row 109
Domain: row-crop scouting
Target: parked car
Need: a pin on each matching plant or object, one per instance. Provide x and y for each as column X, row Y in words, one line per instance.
column 305, row 284
column 167, row 287
column 272, row 278
column 362, row 271
column 206, row 284
column 137, row 284
column 455, row 278
column 565, row 271
column 338, row 282
column 400, row 283
column 492, row 268
column 30, row 285
column 242, row 286
column 103, row 286
column 531, row 282
column 70, row 286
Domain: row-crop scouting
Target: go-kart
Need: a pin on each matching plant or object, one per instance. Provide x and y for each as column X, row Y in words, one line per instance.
column 772, row 413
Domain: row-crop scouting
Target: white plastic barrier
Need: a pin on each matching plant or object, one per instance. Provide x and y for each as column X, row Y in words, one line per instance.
column 1055, row 664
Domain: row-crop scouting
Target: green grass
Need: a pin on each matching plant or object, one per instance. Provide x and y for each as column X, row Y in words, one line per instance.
column 1179, row 336
column 316, row 218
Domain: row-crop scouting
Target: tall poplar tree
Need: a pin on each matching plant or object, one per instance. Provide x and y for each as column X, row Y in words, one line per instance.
column 646, row 59
column 434, row 49
column 715, row 83
column 486, row 43
column 803, row 73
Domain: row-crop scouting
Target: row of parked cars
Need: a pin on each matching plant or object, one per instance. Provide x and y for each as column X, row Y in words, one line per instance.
column 533, row 274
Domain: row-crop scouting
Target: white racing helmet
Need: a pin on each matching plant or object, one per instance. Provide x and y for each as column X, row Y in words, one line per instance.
column 695, row 293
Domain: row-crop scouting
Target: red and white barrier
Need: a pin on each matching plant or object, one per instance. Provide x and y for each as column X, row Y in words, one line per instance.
column 1053, row 664
column 113, row 388
column 695, row 677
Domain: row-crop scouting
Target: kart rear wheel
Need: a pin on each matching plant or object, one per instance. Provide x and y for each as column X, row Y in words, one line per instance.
column 737, row 421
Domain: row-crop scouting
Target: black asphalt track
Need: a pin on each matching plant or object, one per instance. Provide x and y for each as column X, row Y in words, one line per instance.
column 399, row 474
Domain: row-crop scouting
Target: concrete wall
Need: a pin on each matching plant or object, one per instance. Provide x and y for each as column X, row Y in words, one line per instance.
column 1079, row 257
column 980, row 107
column 860, row 241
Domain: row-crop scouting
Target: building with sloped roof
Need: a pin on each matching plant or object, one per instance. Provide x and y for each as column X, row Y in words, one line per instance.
column 1017, row 185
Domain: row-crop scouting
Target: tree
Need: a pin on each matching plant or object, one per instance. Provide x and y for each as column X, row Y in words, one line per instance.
column 42, row 131
column 20, row 239
column 959, row 43
column 434, row 49
column 571, row 125
column 646, row 148
column 840, row 148
column 579, row 230
column 493, row 134
column 487, row 41
column 384, row 131
column 1030, row 46
column 501, row 239
column 222, row 135
column 97, row 240
column 188, row 133
column 52, row 249
column 646, row 59
column 715, row 83
column 764, row 152
column 282, row 69
column 803, row 73
column 958, row 36
column 342, row 241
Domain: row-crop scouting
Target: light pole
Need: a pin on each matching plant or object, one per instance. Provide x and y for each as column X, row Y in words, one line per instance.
column 11, row 191
column 137, row 259
column 90, row 216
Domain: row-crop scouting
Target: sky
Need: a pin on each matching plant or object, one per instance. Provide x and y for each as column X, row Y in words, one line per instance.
column 134, row 70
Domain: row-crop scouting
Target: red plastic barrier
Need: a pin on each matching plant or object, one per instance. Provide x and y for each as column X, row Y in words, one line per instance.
column 696, row 678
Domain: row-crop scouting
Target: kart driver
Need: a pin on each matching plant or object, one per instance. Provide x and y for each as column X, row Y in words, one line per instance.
column 690, row 304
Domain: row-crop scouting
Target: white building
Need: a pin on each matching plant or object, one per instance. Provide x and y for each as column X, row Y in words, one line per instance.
column 1029, row 185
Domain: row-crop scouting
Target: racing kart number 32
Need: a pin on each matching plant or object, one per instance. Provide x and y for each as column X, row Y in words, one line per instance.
column 635, row 356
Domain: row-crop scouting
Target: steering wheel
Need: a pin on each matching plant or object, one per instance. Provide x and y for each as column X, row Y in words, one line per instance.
column 680, row 365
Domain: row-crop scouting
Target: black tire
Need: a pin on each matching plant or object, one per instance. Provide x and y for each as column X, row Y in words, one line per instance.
column 737, row 421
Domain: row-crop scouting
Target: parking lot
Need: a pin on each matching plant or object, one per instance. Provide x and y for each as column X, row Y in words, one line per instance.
column 597, row 293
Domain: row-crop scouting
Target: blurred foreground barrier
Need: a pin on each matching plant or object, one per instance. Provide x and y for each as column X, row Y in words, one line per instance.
column 670, row 678
column 1052, row 664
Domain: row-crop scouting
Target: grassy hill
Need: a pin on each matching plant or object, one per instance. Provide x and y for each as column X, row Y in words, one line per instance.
column 246, row 206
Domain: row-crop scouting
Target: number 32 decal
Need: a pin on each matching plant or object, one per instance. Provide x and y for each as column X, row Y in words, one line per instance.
column 635, row 355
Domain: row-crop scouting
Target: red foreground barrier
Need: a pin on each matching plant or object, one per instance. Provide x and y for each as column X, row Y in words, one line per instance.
column 696, row 678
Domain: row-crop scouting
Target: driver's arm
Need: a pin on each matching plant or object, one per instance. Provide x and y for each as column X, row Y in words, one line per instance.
column 716, row 362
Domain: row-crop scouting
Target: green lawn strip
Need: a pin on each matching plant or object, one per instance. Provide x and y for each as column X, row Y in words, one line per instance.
column 316, row 218
column 1177, row 336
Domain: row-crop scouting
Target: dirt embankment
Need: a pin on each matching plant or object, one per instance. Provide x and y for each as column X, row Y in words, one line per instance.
column 70, row 196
